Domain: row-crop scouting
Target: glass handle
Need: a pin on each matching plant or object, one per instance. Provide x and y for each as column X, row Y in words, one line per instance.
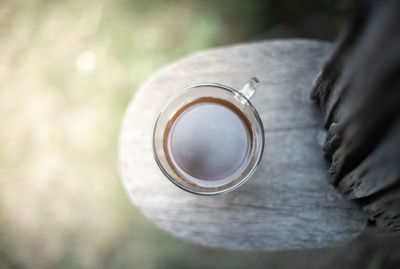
column 250, row 87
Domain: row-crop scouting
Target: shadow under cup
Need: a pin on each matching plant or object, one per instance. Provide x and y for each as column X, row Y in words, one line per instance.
column 208, row 139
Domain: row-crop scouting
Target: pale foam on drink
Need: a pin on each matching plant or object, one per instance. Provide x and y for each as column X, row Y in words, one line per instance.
column 208, row 142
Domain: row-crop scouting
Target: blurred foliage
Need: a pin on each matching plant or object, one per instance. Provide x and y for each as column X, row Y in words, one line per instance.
column 67, row 72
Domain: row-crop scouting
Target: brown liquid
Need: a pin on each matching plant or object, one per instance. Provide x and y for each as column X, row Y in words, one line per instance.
column 208, row 142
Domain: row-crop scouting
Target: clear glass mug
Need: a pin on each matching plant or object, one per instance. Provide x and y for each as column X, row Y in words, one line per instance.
column 208, row 138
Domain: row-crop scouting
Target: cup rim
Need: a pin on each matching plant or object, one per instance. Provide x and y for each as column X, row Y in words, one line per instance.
column 253, row 110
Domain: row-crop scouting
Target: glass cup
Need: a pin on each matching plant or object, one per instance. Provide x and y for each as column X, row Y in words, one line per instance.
column 208, row 138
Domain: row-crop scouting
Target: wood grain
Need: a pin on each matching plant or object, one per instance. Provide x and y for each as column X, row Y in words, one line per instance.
column 288, row 203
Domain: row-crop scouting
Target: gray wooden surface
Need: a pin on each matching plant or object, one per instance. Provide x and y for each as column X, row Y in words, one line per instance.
column 288, row 203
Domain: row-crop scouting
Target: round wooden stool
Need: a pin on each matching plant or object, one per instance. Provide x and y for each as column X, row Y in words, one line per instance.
column 288, row 203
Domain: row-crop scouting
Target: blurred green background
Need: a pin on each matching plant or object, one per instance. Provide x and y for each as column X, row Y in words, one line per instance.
column 67, row 72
